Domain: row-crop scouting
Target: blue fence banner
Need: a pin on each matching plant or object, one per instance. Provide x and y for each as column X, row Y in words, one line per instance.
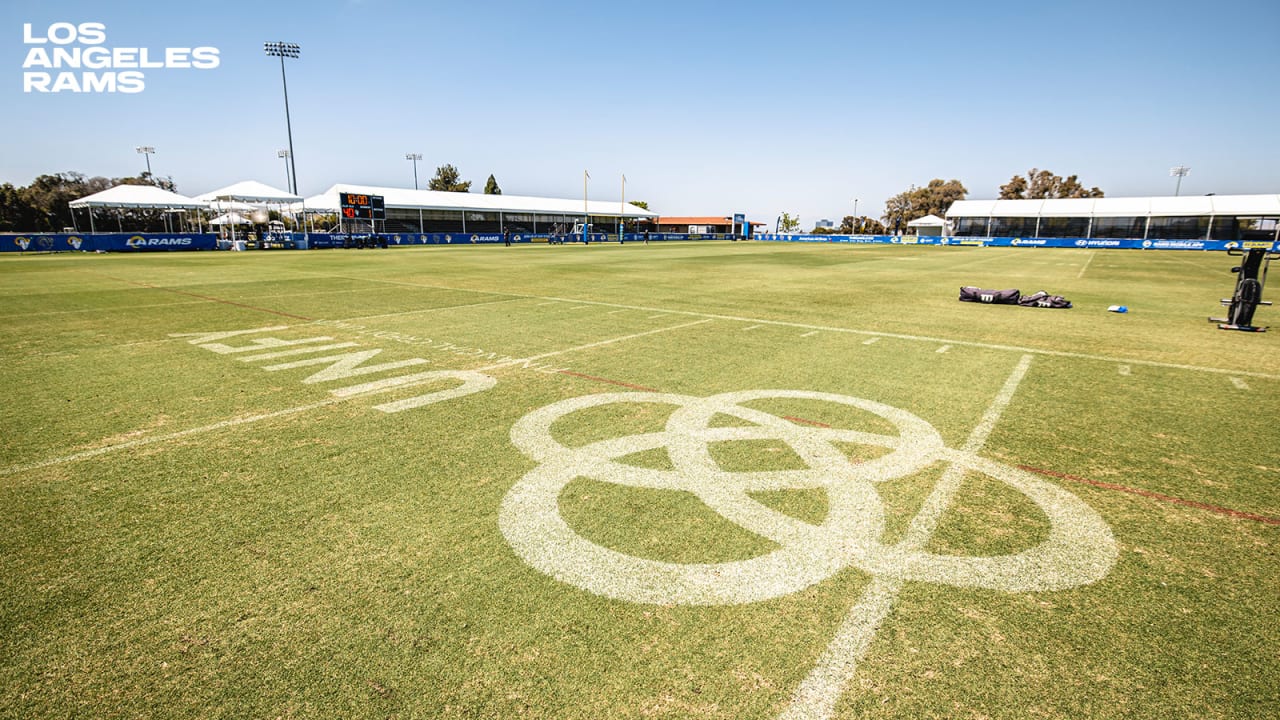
column 1106, row 243
column 107, row 242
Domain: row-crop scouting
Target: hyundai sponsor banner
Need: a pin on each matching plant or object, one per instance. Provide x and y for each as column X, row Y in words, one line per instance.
column 1107, row 243
column 107, row 242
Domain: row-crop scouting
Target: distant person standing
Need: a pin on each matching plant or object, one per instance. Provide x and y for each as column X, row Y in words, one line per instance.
column 506, row 237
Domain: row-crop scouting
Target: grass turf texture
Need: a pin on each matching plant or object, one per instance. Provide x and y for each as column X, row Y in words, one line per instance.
column 338, row 561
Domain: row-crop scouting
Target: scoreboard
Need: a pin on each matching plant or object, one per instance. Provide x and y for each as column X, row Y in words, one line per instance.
column 356, row 206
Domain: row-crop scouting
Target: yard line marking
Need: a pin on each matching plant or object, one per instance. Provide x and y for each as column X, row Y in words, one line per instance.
column 588, row 346
column 818, row 693
column 1086, row 265
column 245, row 420
column 1155, row 496
column 943, row 349
column 654, row 317
column 851, row 331
column 1239, row 383
column 553, row 302
column 1125, row 370
column 753, row 327
column 432, row 309
column 614, row 312
column 811, row 332
column 871, row 341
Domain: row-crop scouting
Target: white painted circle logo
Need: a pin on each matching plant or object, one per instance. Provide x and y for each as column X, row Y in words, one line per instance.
column 1079, row 549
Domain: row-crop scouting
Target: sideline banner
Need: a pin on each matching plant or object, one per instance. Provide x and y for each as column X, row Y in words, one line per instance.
column 107, row 242
column 1118, row 244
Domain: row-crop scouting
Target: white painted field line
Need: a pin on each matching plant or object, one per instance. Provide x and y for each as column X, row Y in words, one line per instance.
column 1086, row 265
column 816, row 697
column 871, row 341
column 852, row 331
column 943, row 349
column 810, row 333
column 1239, row 383
column 248, row 419
column 753, row 327
column 588, row 346
column 614, row 312
column 431, row 309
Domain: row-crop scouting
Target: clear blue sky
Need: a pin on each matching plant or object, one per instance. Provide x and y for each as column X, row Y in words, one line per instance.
column 707, row 107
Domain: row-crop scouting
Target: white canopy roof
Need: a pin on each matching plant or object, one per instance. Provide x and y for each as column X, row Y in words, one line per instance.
column 927, row 221
column 137, row 196
column 1190, row 205
column 250, row 191
column 230, row 219
column 231, row 206
column 410, row 199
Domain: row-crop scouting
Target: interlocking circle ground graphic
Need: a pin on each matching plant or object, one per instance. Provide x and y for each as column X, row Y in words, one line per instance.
column 1079, row 549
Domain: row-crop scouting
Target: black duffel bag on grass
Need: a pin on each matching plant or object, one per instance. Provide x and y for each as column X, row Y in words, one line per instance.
column 993, row 297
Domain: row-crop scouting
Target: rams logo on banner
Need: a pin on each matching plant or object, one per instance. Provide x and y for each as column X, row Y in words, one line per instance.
column 74, row 242
column 22, row 242
column 475, row 238
column 136, row 241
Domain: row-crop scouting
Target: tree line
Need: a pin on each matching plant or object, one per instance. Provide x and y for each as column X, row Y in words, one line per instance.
column 936, row 197
column 43, row 206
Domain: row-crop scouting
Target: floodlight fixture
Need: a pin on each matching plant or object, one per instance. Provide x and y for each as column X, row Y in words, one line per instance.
column 1179, row 171
column 146, row 151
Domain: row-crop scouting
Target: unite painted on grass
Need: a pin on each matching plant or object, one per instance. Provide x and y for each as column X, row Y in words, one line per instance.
column 471, row 381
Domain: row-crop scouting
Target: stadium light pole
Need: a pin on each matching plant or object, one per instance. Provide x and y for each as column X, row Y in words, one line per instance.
column 284, row 50
column 145, row 151
column 415, row 157
column 1179, row 171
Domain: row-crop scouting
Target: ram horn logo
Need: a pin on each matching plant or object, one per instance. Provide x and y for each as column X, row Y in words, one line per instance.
column 75, row 242
column 136, row 241
column 22, row 242
column 475, row 238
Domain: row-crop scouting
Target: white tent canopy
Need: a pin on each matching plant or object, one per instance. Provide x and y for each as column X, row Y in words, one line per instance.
column 230, row 219
column 250, row 191
column 1190, row 205
column 927, row 221
column 138, row 196
column 224, row 206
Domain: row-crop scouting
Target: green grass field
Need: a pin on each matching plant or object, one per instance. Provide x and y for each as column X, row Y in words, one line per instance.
column 703, row 480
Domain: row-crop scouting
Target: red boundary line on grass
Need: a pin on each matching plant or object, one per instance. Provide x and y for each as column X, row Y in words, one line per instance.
column 1155, row 495
column 607, row 380
column 205, row 297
